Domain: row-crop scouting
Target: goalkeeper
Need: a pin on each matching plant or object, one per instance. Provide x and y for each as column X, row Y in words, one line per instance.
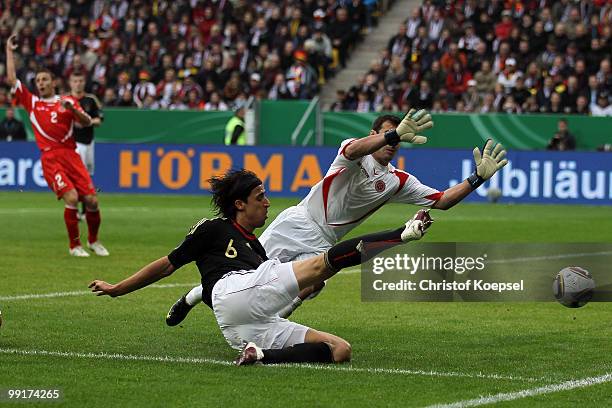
column 360, row 180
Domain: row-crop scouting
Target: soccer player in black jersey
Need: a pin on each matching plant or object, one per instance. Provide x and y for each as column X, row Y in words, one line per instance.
column 245, row 290
column 84, row 135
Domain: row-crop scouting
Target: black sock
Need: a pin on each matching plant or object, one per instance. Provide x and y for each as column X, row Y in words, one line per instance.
column 300, row 353
column 357, row 250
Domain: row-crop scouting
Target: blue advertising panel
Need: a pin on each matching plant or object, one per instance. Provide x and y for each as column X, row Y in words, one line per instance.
column 529, row 177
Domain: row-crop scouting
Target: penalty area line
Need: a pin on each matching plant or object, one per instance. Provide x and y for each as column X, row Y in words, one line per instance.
column 84, row 292
column 511, row 396
column 193, row 360
column 28, row 296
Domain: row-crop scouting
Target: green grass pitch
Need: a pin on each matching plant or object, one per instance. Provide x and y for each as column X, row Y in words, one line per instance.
column 118, row 352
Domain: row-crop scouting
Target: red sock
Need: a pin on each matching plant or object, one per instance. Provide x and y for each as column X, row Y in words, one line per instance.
column 93, row 225
column 72, row 226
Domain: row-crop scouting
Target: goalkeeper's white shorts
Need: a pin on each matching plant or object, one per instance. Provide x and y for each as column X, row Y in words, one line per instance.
column 293, row 236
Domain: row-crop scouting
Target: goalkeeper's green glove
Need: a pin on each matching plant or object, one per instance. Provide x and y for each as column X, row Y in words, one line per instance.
column 406, row 131
column 487, row 163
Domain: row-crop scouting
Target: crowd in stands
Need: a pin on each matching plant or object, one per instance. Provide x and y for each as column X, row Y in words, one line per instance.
column 532, row 56
column 185, row 54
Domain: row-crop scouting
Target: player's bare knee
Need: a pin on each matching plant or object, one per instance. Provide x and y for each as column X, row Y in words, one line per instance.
column 91, row 202
column 342, row 351
column 71, row 198
column 320, row 270
column 310, row 271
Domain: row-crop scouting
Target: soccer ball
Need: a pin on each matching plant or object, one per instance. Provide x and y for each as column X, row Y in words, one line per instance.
column 494, row 194
column 573, row 286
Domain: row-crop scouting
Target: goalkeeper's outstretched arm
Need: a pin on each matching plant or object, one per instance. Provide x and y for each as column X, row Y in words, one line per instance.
column 490, row 161
column 406, row 131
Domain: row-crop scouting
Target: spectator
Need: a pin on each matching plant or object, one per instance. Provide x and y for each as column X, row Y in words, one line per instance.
column 168, row 88
column 387, row 105
column 603, row 106
column 125, row 100
column 533, row 76
column 12, row 129
column 395, row 74
column 563, row 139
column 254, row 84
column 435, row 26
column 399, row 41
column 339, row 103
column 538, row 38
column 321, row 52
column 235, row 133
column 531, row 105
column 423, row 99
column 499, row 97
column 451, row 56
column 469, row 41
column 555, row 105
column 436, row 76
column 509, row 75
column 582, row 106
column 341, row 34
column 510, row 106
column 215, row 103
column 110, row 97
column 205, row 40
column 363, row 102
column 143, row 88
column 472, row 99
column 456, row 80
column 520, row 93
column 485, row 78
column 413, row 23
column 544, row 93
column 488, row 104
column 570, row 95
column 4, row 98
column 503, row 28
column 151, row 103
column 301, row 77
column 478, row 57
column 279, row 89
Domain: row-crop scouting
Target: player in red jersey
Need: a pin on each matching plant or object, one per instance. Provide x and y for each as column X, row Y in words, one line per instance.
column 53, row 118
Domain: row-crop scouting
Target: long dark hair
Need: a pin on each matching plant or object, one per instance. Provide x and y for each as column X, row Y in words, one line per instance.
column 233, row 185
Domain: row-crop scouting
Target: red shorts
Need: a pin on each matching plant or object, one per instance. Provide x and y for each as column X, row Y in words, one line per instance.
column 64, row 170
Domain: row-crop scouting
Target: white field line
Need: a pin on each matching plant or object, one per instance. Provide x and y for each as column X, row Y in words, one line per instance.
column 349, row 271
column 106, row 209
column 511, row 396
column 84, row 292
column 335, row 368
column 549, row 257
column 513, row 260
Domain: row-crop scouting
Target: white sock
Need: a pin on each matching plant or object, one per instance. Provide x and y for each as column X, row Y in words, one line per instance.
column 287, row 310
column 194, row 296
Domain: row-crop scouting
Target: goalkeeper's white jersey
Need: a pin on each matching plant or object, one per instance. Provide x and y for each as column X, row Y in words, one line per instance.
column 352, row 190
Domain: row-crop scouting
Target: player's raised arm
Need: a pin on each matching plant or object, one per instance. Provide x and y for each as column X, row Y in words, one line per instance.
column 11, row 75
column 151, row 273
column 491, row 160
column 406, row 131
column 82, row 117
